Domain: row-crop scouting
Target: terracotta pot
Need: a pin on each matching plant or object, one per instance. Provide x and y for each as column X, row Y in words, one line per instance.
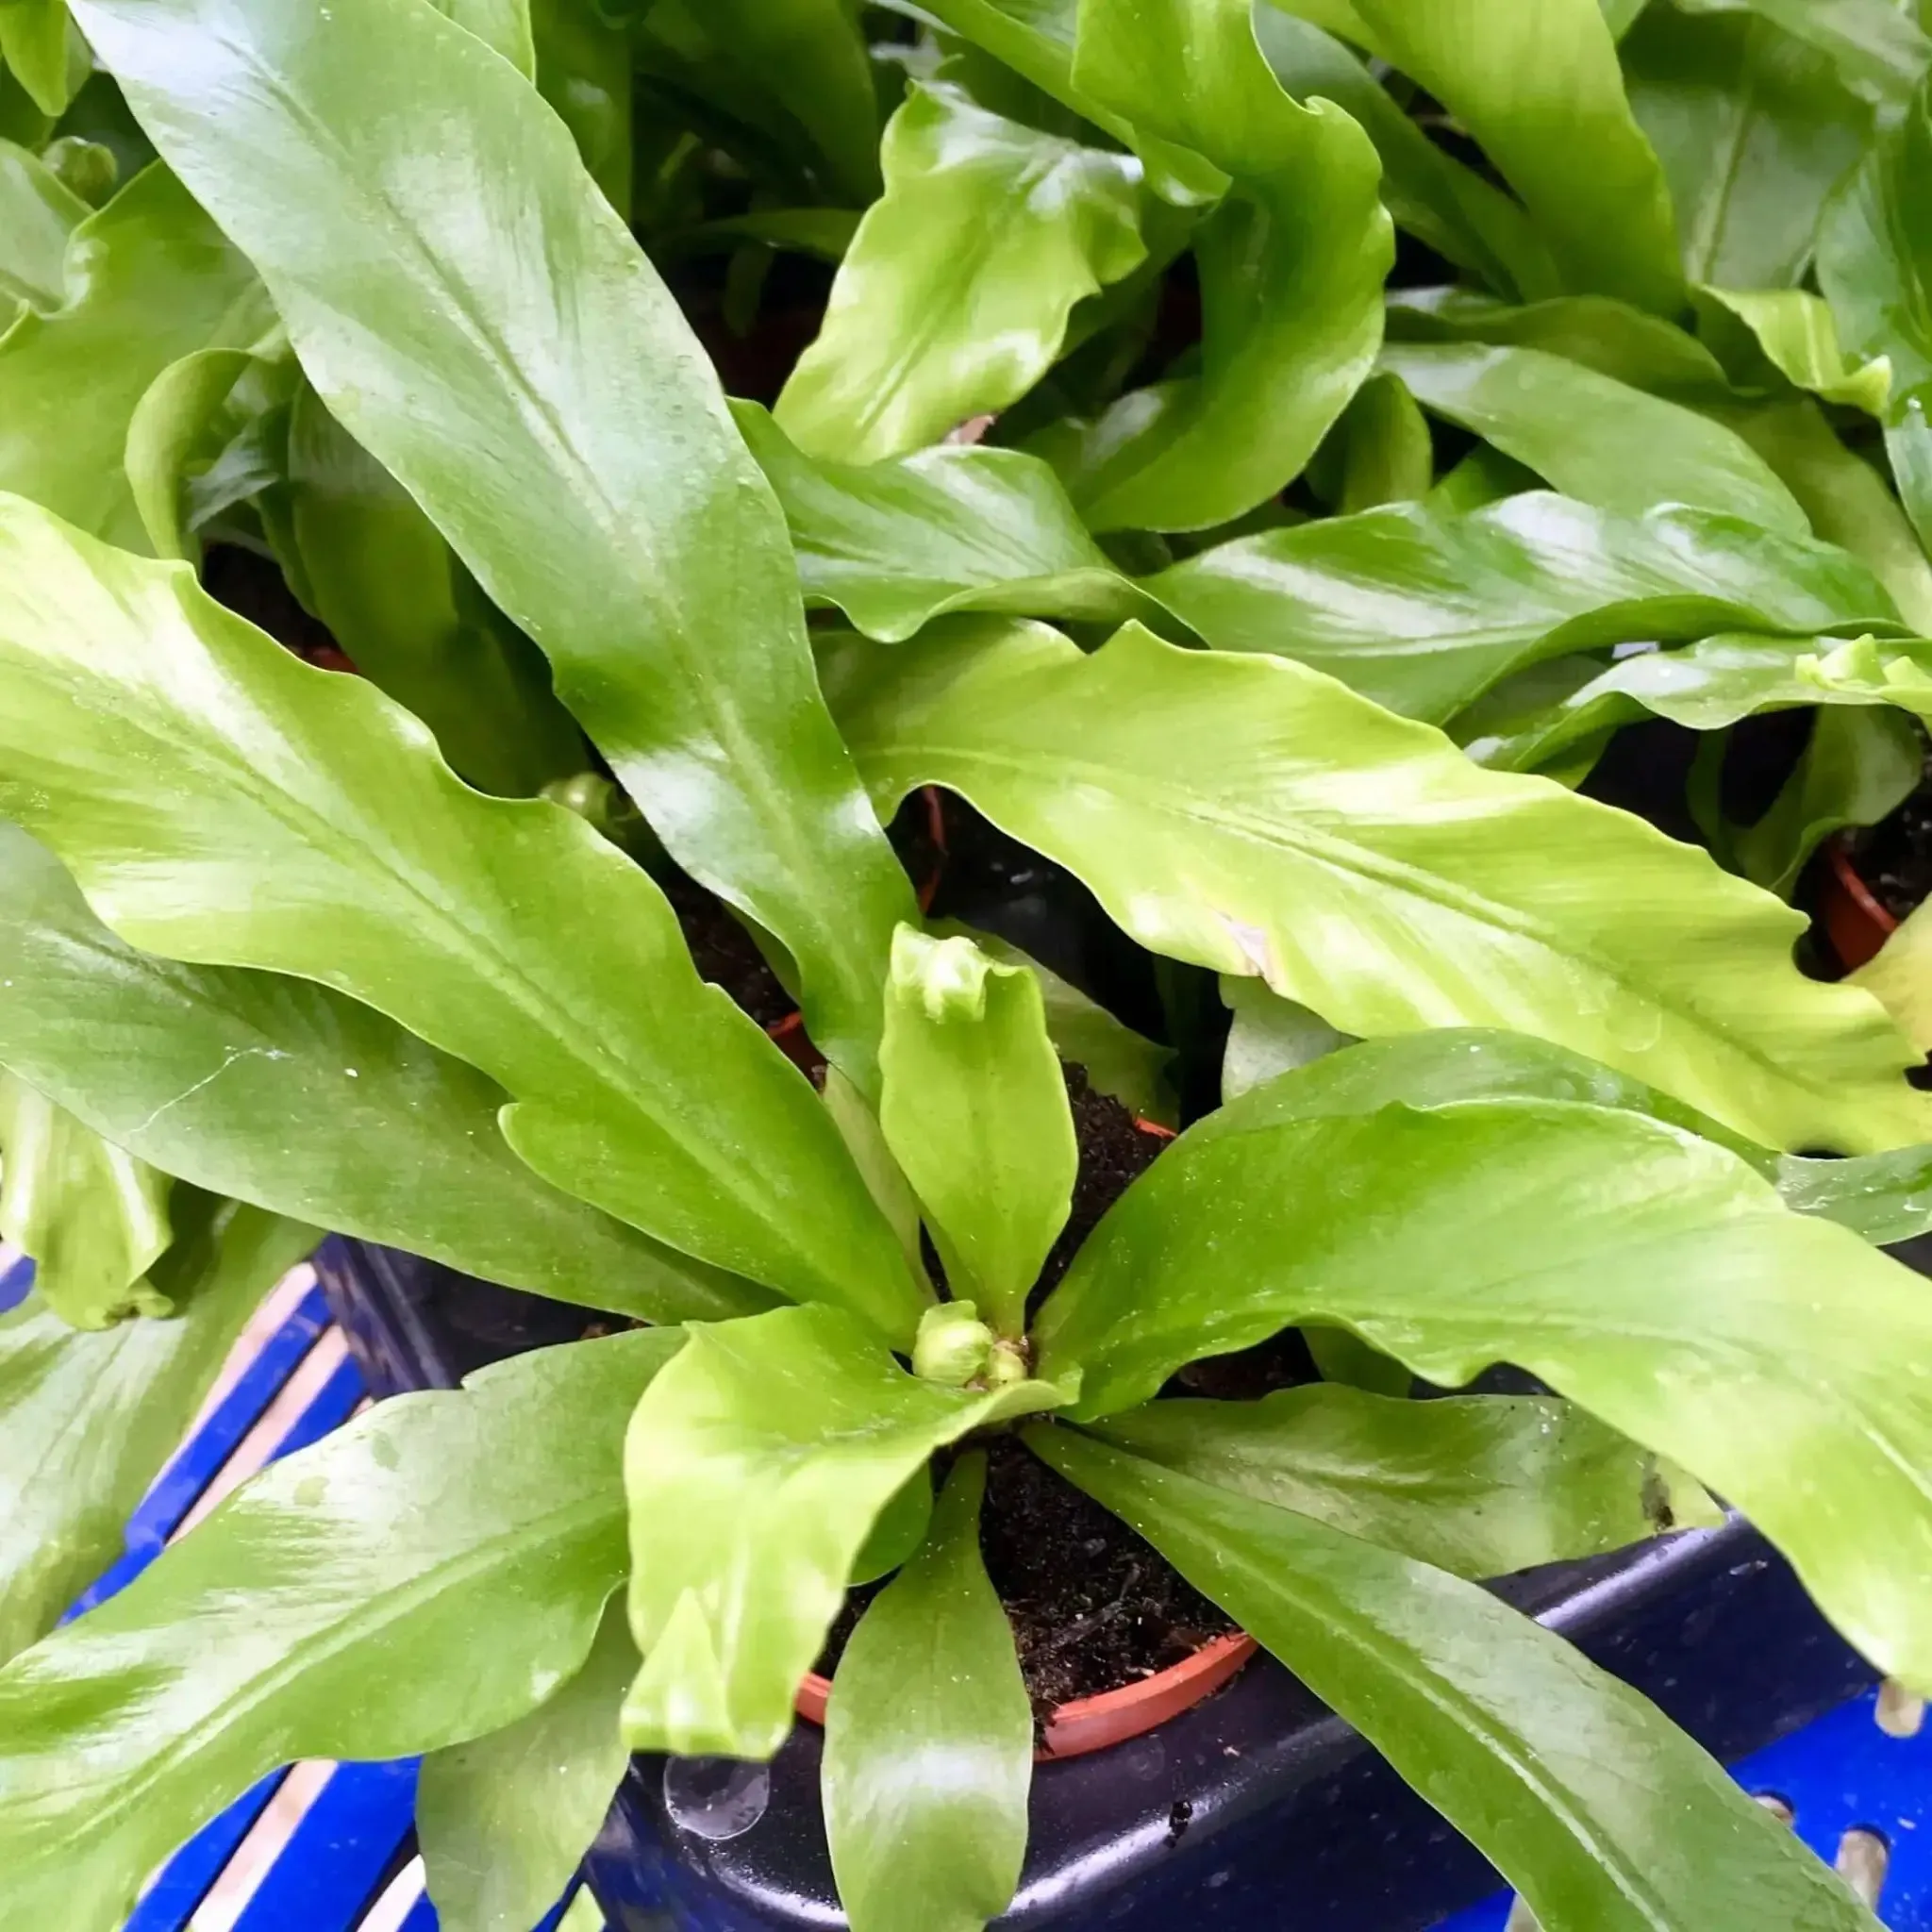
column 1855, row 923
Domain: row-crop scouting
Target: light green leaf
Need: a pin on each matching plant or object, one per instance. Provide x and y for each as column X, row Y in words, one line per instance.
column 1423, row 611
column 223, row 802
column 953, row 299
column 1860, row 764
column 974, row 1105
column 1710, row 685
column 1290, row 270
column 291, row 1096
column 1901, row 976
column 1463, row 217
column 190, row 424
column 1269, row 1035
column 895, row 544
column 1119, row 1063
column 583, row 1914
column 34, row 39
column 1792, row 331
column 38, row 213
column 756, row 1471
column 1536, row 83
column 1598, row 1809
column 1874, row 264
column 89, row 1419
column 1239, row 811
column 1594, row 438
column 504, row 1820
column 93, row 1218
column 1882, row 1198
column 1380, row 447
column 1753, row 129
column 1479, row 1486
column 330, row 1609
column 1876, row 47
column 529, row 380
column 150, row 280
column 929, row 1740
column 1650, row 1276
column 393, row 597
column 504, row 27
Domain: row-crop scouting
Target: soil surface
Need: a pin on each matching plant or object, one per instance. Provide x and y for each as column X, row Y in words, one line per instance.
column 252, row 587
column 1895, row 857
column 724, row 953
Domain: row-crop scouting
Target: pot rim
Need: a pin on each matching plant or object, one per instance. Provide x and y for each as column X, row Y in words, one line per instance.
column 1855, row 922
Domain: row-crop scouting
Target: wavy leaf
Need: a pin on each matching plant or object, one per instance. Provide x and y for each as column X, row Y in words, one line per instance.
column 1463, row 216
column 1422, row 611
column 93, row 1218
column 1536, row 83
column 1650, row 1276
column 1290, row 270
column 1594, row 438
column 529, row 380
column 1479, row 1487
column 1239, row 812
column 504, row 1820
column 974, row 1108
column 393, row 597
column 265, row 1635
column 1710, row 685
column 149, row 280
column 288, row 1095
column 223, row 802
column 953, row 299
column 1753, row 129
column 89, row 1419
column 38, row 213
column 756, row 1471
column 930, row 1740
column 1597, row 1808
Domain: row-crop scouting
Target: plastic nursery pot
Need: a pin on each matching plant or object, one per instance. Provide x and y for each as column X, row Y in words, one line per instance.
column 1855, row 923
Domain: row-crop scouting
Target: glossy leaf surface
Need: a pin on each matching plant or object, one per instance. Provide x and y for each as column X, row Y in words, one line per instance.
column 33, row 37
column 1423, row 610
column 38, row 213
column 974, row 1108
column 89, row 1419
column 503, row 1820
column 529, row 379
column 223, row 802
column 1792, row 331
column 1478, row 1487
column 1648, row 1275
column 93, row 1218
column 953, row 298
column 755, row 1472
column 930, row 1740
column 1597, row 1808
column 478, row 1533
column 957, row 527
column 1290, row 270
column 1594, row 438
column 1535, row 83
column 1268, row 809
column 149, row 280
column 287, row 1095
column 1876, row 48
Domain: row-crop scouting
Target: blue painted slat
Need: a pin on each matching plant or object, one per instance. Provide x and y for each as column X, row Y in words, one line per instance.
column 14, row 1283
column 421, row 1916
column 185, row 1880
column 336, row 1856
column 334, row 1403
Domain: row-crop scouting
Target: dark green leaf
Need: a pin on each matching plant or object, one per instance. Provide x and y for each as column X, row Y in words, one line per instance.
column 953, row 299
column 1290, row 270
column 87, row 1420
column 503, row 1820
column 1594, row 438
column 38, row 213
column 291, row 1096
column 1231, row 810
column 1423, row 610
column 1597, row 1808
column 756, row 1471
column 426, row 1575
column 1381, row 448
column 530, row 382
column 1649, row 1275
column 1479, row 1485
column 584, row 72
column 973, row 1105
column 929, row 1740
column 221, row 802
column 825, row 232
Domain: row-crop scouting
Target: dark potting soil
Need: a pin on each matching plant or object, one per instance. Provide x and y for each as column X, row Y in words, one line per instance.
column 1895, row 857
column 1113, row 1150
column 252, row 587
column 724, row 953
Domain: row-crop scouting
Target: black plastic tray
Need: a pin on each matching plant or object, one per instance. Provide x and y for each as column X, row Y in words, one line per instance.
column 1257, row 1811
